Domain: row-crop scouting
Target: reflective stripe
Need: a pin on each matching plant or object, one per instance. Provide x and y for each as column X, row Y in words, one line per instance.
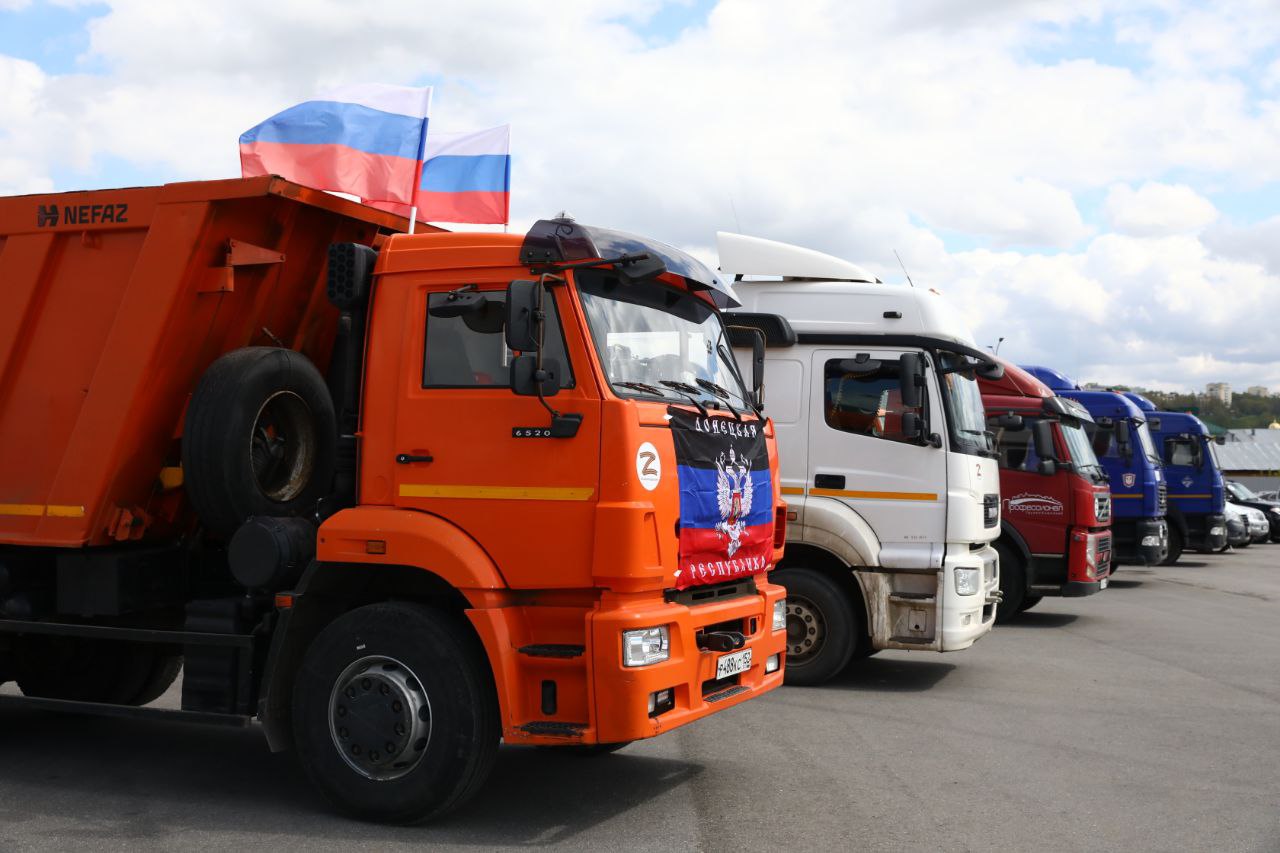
column 875, row 496
column 36, row 510
column 1190, row 496
column 793, row 490
column 511, row 493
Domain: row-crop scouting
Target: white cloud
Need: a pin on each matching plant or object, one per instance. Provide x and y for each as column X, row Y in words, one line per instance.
column 854, row 128
column 1156, row 209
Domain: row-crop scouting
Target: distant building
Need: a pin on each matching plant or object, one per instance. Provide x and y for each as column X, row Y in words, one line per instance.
column 1220, row 391
column 1258, row 390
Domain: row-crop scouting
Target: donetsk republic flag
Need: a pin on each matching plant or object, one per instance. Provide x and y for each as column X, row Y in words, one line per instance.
column 726, row 498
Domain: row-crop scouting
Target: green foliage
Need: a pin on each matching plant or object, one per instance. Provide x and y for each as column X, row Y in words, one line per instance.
column 1247, row 411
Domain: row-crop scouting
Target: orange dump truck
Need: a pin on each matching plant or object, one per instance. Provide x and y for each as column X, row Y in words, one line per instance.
column 397, row 497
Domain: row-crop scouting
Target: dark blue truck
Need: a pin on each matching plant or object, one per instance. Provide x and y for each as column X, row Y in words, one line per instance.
column 1197, row 496
column 1123, row 444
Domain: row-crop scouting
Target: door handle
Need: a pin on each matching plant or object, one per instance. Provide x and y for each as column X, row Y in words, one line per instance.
column 828, row 481
column 408, row 458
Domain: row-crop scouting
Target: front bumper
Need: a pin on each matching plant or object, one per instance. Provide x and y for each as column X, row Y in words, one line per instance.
column 1077, row 589
column 1209, row 533
column 1237, row 532
column 967, row 618
column 1140, row 542
column 622, row 693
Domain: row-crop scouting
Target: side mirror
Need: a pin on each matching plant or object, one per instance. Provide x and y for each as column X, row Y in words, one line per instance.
column 1010, row 421
column 528, row 380
column 992, row 370
column 911, row 378
column 1042, row 435
column 524, row 309
column 1047, row 467
column 757, row 367
column 641, row 269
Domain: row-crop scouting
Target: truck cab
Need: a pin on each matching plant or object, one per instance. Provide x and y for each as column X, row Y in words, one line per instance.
column 887, row 468
column 1197, row 497
column 1122, row 441
column 1055, row 520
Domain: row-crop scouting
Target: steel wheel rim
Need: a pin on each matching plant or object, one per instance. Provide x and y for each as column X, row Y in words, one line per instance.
column 806, row 630
column 379, row 718
column 282, row 446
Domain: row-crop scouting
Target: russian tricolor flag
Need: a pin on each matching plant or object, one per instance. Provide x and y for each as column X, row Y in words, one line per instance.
column 466, row 177
column 363, row 139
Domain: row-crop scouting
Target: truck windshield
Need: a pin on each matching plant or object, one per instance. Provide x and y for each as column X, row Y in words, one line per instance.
column 966, row 417
column 1078, row 445
column 1211, row 445
column 659, row 341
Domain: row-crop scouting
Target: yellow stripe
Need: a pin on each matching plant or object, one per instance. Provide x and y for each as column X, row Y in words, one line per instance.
column 792, row 490
column 21, row 509
column 1190, row 496
column 875, row 496
column 37, row 510
column 509, row 493
column 1114, row 495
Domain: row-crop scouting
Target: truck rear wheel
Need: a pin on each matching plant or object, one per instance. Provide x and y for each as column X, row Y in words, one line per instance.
column 1176, row 544
column 821, row 626
column 259, row 438
column 395, row 715
column 1013, row 583
column 81, row 670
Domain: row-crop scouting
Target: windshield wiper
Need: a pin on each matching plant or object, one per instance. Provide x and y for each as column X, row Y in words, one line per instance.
column 690, row 391
column 721, row 392
column 727, row 357
column 642, row 386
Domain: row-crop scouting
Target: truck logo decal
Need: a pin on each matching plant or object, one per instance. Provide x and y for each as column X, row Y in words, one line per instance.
column 722, row 466
column 1030, row 504
column 1187, row 481
column 648, row 466
column 47, row 215
column 1129, row 479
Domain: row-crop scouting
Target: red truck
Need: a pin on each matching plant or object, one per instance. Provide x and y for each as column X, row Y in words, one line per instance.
column 395, row 498
column 1055, row 536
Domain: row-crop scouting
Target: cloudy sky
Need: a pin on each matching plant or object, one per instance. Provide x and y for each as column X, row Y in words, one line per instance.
column 1097, row 182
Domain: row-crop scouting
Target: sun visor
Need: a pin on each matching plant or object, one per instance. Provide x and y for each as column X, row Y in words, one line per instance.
column 552, row 241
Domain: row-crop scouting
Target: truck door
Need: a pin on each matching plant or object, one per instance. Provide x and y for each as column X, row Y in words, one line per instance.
column 1037, row 505
column 469, row 450
column 859, row 454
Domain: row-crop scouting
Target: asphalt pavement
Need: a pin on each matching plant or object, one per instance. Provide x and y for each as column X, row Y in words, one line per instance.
column 1143, row 718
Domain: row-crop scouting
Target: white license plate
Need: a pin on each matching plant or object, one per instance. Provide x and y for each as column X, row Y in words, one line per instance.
column 1105, row 581
column 732, row 664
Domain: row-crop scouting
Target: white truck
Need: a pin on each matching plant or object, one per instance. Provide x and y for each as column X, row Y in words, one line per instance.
column 888, row 470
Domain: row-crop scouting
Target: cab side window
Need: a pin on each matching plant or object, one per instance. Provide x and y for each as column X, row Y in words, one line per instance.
column 865, row 403
column 1015, row 451
column 471, row 352
column 1180, row 452
column 1102, row 439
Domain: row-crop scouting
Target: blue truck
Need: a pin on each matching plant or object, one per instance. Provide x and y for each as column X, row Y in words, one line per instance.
column 1123, row 444
column 1197, row 494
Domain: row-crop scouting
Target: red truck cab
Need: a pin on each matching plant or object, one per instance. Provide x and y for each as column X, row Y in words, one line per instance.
column 1055, row 534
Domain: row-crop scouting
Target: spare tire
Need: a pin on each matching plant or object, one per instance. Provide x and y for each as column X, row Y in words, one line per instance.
column 259, row 438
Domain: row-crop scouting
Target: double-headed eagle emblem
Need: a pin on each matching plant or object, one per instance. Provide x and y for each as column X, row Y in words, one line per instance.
column 733, row 496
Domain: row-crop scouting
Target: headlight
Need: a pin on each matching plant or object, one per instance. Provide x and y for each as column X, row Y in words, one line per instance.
column 967, row 581
column 645, row 646
column 780, row 615
column 1275, row 510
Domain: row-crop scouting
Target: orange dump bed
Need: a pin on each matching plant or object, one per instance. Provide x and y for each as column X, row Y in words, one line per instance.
column 112, row 304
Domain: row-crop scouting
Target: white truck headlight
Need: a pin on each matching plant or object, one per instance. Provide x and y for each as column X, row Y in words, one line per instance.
column 645, row 646
column 780, row 615
column 968, row 581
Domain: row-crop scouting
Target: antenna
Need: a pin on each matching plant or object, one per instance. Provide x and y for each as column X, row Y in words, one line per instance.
column 999, row 341
column 904, row 268
column 736, row 224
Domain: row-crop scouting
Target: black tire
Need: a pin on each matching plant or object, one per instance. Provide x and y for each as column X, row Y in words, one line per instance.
column 822, row 628
column 259, row 438
column 1176, row 544
column 1029, row 601
column 1013, row 583
column 433, row 663
column 82, row 670
column 164, row 671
